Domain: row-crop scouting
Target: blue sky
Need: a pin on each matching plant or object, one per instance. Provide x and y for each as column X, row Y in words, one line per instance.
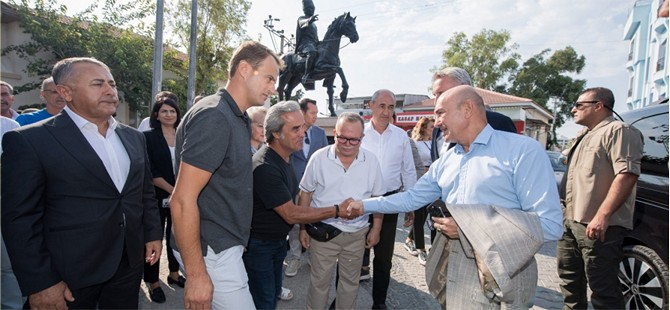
column 401, row 40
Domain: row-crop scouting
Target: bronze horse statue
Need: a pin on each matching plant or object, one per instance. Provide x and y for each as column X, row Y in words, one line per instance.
column 327, row 63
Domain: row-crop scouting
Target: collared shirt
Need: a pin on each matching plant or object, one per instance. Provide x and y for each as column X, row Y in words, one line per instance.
column 308, row 138
column 502, row 169
column 109, row 147
column 14, row 113
column 394, row 153
column 610, row 148
column 330, row 183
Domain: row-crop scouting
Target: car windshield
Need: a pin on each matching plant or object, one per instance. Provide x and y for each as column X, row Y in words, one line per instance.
column 558, row 161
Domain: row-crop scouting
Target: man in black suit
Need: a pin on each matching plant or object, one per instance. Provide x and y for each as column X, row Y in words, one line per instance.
column 78, row 203
column 451, row 77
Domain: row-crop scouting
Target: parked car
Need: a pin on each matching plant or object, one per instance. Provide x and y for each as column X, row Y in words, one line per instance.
column 643, row 272
column 558, row 163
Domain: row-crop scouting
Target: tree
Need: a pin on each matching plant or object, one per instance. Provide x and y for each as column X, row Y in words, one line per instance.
column 119, row 39
column 543, row 79
column 220, row 27
column 488, row 57
column 493, row 64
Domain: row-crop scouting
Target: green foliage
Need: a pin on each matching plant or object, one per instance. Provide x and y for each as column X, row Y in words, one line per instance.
column 543, row 79
column 494, row 64
column 118, row 38
column 488, row 56
column 220, row 29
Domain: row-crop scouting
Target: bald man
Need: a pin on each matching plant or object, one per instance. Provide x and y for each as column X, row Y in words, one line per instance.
column 486, row 167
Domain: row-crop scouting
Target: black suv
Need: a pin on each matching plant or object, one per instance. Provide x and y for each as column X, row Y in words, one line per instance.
column 643, row 272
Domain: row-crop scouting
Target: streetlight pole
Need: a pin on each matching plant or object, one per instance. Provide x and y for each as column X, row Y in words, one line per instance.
column 191, row 54
column 158, row 54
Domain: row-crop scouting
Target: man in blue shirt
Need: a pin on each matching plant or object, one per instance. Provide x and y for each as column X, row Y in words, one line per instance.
column 486, row 166
column 51, row 98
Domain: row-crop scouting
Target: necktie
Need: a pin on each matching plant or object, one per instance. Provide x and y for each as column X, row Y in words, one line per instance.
column 306, row 138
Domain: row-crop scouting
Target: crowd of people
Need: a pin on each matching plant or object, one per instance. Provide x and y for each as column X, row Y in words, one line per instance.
column 239, row 192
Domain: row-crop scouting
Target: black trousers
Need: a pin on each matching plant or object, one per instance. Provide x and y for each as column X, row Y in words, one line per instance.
column 119, row 292
column 151, row 272
column 382, row 262
column 416, row 232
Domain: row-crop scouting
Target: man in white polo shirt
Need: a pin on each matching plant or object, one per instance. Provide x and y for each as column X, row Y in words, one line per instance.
column 334, row 173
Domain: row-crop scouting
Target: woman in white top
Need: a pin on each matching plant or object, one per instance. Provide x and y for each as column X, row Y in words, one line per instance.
column 421, row 134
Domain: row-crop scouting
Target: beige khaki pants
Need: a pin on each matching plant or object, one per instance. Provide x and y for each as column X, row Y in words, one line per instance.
column 347, row 250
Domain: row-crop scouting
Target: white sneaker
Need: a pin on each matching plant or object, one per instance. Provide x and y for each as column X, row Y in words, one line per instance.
column 422, row 257
column 286, row 294
column 292, row 268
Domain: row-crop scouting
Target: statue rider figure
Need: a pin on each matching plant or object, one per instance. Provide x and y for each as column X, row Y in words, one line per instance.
column 307, row 37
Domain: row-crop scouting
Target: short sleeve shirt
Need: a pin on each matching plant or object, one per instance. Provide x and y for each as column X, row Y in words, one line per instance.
column 330, row 183
column 214, row 136
column 610, row 148
column 275, row 184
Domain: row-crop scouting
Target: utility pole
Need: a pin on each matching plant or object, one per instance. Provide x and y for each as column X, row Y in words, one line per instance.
column 191, row 55
column 158, row 55
column 284, row 40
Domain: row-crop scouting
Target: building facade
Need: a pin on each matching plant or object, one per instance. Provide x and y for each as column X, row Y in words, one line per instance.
column 647, row 63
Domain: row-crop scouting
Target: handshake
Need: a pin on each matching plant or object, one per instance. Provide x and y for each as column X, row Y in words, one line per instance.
column 350, row 209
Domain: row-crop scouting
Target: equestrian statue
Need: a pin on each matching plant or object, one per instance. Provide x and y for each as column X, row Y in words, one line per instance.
column 316, row 60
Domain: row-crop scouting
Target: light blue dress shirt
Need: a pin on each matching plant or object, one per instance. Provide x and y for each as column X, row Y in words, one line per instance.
column 501, row 168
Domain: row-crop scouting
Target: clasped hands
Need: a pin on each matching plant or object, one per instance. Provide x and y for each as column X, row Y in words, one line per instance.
column 344, row 209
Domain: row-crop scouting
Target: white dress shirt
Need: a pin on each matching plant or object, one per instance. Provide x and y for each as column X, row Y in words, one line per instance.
column 394, row 153
column 109, row 148
column 305, row 145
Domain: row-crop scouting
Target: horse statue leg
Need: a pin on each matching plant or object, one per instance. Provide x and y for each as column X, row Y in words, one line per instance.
column 292, row 82
column 345, row 85
column 328, row 84
column 281, row 83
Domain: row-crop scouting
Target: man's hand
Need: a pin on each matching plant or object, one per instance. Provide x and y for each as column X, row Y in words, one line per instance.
column 446, row 225
column 53, row 297
column 373, row 238
column 198, row 291
column 409, row 219
column 153, row 251
column 304, row 238
column 597, row 228
column 314, row 18
column 355, row 209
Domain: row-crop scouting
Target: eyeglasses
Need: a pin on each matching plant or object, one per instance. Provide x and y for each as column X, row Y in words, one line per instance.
column 352, row 141
column 580, row 105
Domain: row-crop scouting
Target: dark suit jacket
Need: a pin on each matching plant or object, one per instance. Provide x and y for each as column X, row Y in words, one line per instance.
column 298, row 160
column 496, row 120
column 160, row 159
column 63, row 218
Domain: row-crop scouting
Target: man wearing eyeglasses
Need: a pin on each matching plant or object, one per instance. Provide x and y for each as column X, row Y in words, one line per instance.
column 393, row 150
column 334, row 173
column 54, row 104
column 598, row 195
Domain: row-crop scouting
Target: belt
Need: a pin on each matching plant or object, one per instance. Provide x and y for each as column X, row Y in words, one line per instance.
column 391, row 192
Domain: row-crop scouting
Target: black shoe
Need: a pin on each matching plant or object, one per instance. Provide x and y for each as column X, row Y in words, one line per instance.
column 157, row 295
column 181, row 281
column 379, row 306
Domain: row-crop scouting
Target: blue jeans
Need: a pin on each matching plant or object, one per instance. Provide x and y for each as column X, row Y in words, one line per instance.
column 264, row 261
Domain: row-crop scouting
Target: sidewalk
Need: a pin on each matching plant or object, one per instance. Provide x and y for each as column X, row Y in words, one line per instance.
column 408, row 289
